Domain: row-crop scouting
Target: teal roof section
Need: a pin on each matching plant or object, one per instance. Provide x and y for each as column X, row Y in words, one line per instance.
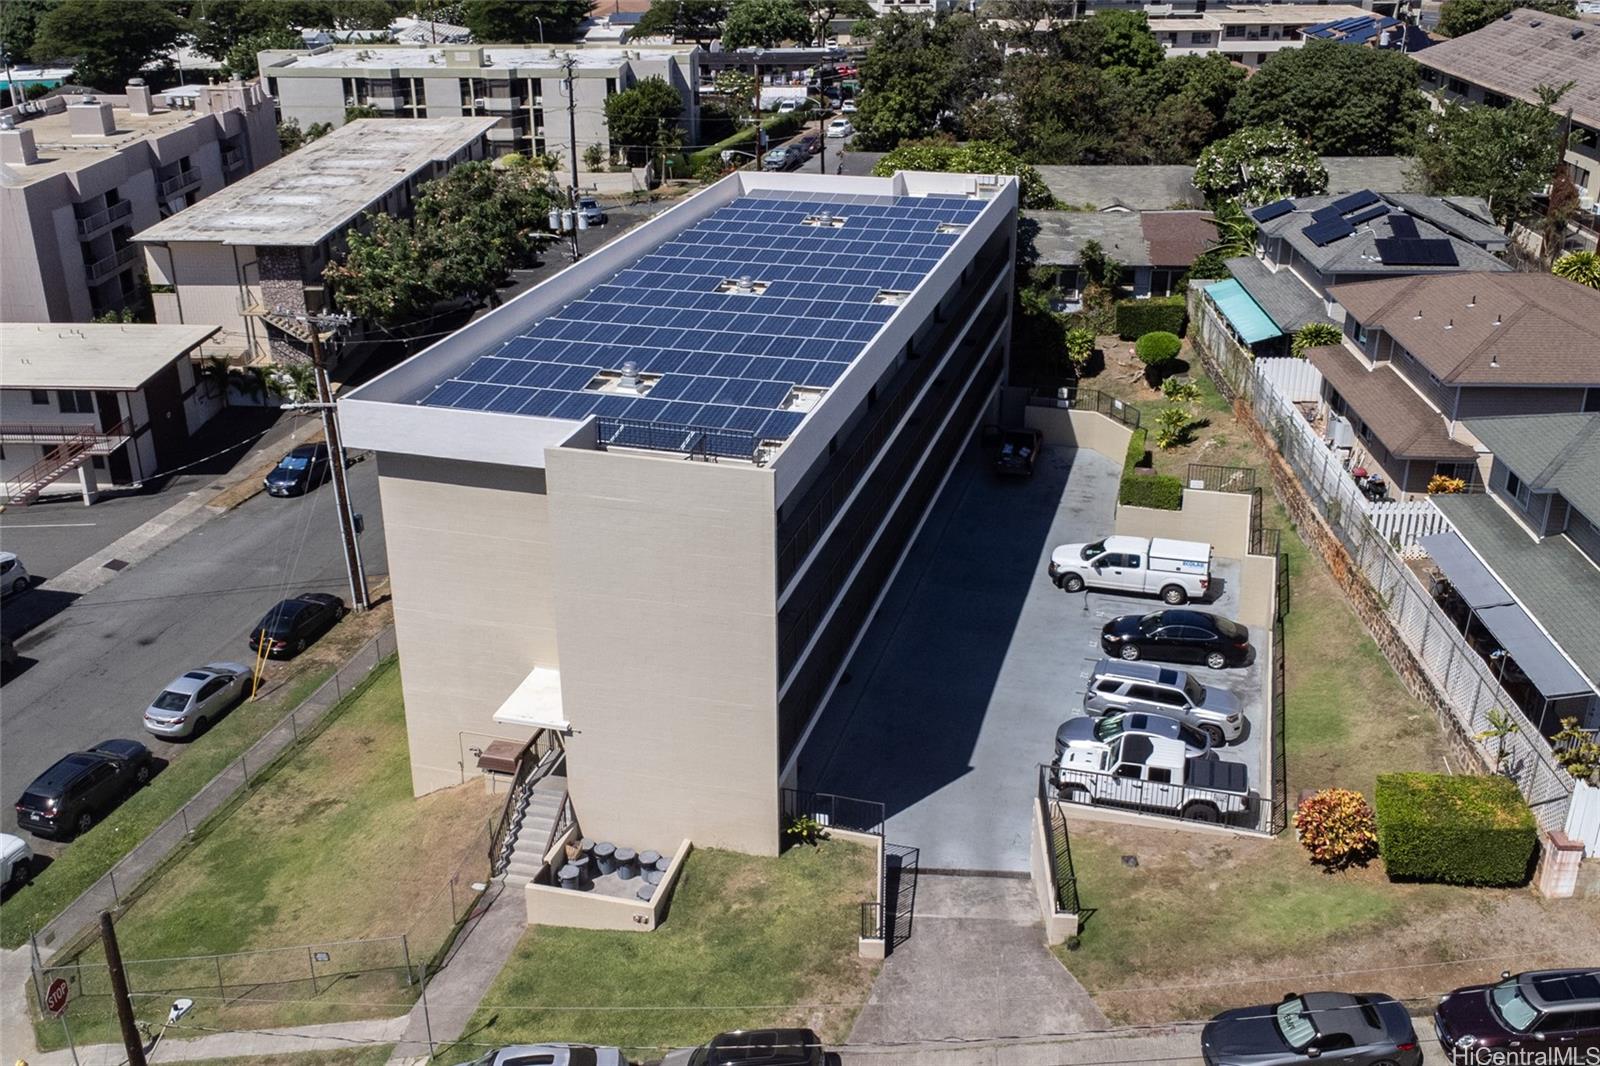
column 1242, row 312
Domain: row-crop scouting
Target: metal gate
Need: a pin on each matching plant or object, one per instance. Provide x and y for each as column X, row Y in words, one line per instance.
column 899, row 892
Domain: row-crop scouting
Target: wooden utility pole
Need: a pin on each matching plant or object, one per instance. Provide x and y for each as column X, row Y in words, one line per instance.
column 132, row 1042
column 360, row 599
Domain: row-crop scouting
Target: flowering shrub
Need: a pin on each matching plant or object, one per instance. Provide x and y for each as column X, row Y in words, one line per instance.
column 1446, row 485
column 1337, row 827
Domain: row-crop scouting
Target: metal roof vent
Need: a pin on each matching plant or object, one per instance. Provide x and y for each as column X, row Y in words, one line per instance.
column 950, row 227
column 625, row 382
column 802, row 398
column 1575, row 34
column 890, row 297
column 630, row 376
column 824, row 219
column 743, row 285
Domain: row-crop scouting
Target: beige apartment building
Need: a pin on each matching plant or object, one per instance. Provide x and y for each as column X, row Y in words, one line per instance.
column 251, row 259
column 652, row 503
column 79, row 176
column 1248, row 34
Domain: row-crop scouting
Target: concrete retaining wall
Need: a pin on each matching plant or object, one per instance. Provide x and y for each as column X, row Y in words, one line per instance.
column 1080, row 429
column 1057, row 926
column 551, row 905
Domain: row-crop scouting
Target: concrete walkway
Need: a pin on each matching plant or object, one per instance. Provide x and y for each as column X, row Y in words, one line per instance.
column 974, row 968
column 286, row 1042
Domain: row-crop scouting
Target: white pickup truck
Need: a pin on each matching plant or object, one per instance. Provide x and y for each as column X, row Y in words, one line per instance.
column 1176, row 570
column 1153, row 773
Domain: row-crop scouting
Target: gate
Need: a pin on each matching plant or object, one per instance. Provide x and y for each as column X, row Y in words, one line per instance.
column 899, row 893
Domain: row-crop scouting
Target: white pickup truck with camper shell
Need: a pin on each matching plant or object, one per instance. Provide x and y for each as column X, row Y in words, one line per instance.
column 1176, row 570
column 1155, row 773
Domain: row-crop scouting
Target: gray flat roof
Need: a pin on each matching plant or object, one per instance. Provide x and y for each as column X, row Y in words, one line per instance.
column 1136, row 188
column 72, row 355
column 314, row 192
column 434, row 62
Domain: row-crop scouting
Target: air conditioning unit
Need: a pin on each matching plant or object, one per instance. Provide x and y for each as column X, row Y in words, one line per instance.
column 481, row 102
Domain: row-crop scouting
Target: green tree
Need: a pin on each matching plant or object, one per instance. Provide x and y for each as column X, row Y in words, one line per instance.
column 219, row 27
column 291, row 136
column 1343, row 100
column 1314, row 335
column 518, row 21
column 1117, row 42
column 108, row 41
column 19, row 23
column 1581, row 267
column 974, row 157
column 1236, row 231
column 1502, row 154
column 1168, row 113
column 241, row 58
column 917, row 70
column 383, row 276
column 683, row 20
column 636, row 116
column 1457, row 17
column 1258, row 164
column 1047, row 110
column 764, row 24
column 823, row 13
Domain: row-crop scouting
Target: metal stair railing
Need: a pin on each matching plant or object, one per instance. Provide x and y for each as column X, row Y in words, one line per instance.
column 66, row 457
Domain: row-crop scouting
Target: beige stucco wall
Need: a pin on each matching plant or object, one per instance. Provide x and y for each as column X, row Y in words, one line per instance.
column 1258, row 582
column 1221, row 519
column 553, row 905
column 665, row 579
column 1080, row 429
column 213, row 283
column 469, row 562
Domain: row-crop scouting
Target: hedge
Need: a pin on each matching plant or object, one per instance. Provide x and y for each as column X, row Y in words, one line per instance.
column 1159, row 314
column 1458, row 830
column 1161, row 491
column 777, row 126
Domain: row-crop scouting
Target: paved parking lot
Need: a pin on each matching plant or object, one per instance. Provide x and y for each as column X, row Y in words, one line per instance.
column 975, row 657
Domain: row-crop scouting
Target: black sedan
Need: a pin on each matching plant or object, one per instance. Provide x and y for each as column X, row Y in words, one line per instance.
column 298, row 472
column 83, row 787
column 294, row 623
column 1370, row 1029
column 1177, row 636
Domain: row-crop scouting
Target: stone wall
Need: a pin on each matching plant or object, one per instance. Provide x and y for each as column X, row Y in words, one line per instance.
column 283, row 292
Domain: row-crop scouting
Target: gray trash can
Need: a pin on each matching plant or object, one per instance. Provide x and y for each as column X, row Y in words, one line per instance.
column 585, row 872
column 653, row 877
column 648, row 859
column 586, row 847
column 646, row 892
column 662, row 863
column 605, row 858
column 568, row 876
column 627, row 863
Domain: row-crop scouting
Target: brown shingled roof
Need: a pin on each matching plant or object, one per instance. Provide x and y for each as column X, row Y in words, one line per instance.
column 1177, row 237
column 1516, row 55
column 1486, row 328
column 1397, row 416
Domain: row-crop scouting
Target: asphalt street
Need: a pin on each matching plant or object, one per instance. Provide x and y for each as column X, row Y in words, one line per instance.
column 87, row 671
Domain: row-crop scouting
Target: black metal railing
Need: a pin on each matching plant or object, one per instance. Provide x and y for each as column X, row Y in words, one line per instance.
column 838, row 812
column 1077, row 398
column 1278, row 811
column 694, row 441
column 872, row 913
column 1220, row 478
column 1058, row 848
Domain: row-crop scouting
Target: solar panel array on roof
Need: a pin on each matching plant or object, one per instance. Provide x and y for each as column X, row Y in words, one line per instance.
column 1276, row 209
column 1320, row 233
column 1396, row 251
column 1403, row 226
column 1355, row 200
column 1368, row 215
column 724, row 362
column 1327, row 214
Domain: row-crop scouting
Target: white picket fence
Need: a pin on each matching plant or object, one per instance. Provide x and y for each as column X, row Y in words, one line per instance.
column 1295, row 379
column 1583, row 818
column 1403, row 522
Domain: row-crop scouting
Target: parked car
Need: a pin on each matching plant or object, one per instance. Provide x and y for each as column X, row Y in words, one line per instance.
column 788, row 107
column 1177, row 636
column 83, row 787
column 16, row 862
column 839, row 128
column 1116, row 687
column 13, row 575
column 1153, row 773
column 809, row 143
column 552, row 1055
column 1370, row 1029
column 1018, row 449
column 192, row 702
column 783, row 157
column 1083, row 732
column 294, row 623
column 754, row 1047
column 1176, row 570
column 300, row 471
column 849, row 107
column 1549, row 1011
column 589, row 207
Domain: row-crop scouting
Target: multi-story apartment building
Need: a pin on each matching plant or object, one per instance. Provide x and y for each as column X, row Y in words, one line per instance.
column 1424, row 356
column 1248, row 34
column 521, row 87
column 1510, row 59
column 1157, row 10
column 653, row 502
column 252, row 258
column 79, row 176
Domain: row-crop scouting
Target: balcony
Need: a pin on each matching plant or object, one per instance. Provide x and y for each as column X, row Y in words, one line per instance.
column 92, row 224
column 180, row 183
column 101, row 269
column 232, row 159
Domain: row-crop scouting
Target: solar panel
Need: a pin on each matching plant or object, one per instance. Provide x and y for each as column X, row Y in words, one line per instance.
column 1368, row 215
column 1410, row 252
column 1327, row 214
column 1355, row 200
column 1403, row 225
column 1322, row 233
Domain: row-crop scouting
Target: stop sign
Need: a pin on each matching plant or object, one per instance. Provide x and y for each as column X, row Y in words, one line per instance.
column 55, row 998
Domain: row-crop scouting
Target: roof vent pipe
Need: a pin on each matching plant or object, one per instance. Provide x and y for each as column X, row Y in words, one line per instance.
column 1474, row 301
column 1497, row 319
column 1494, row 360
column 746, row 283
column 630, row 376
column 1450, row 324
column 1418, row 316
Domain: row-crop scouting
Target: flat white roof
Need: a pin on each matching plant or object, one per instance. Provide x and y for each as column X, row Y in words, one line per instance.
column 496, row 57
column 83, row 355
column 313, row 192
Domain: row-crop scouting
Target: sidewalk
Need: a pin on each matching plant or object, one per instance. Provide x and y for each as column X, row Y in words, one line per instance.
column 286, row 1042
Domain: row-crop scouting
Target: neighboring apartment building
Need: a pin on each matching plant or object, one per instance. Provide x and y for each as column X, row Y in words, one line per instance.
column 1307, row 245
column 252, row 258
column 79, row 176
column 653, row 502
column 1370, row 30
column 1510, row 59
column 1423, row 354
column 1523, row 561
column 520, row 87
column 1248, row 34
column 108, row 404
column 1155, row 248
column 1182, row 8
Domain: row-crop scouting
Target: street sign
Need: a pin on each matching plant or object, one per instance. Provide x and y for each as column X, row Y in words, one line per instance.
column 55, row 998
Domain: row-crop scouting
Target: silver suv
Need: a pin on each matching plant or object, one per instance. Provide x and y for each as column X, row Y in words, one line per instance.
column 1116, row 687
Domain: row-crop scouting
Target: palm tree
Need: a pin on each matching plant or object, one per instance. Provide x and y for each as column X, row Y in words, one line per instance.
column 1582, row 267
column 1314, row 335
column 1236, row 232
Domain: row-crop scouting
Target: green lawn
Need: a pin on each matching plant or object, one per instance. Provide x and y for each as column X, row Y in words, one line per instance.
column 329, row 847
column 748, row 942
column 372, row 1055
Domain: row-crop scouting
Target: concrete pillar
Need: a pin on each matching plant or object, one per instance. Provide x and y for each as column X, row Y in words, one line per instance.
column 88, row 482
column 1559, row 860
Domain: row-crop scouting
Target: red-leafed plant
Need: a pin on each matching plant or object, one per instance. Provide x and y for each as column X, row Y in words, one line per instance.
column 1337, row 827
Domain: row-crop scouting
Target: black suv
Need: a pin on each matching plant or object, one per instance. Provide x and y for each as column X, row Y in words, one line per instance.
column 1552, row 1011
column 756, row 1047
column 294, row 623
column 298, row 472
column 81, row 788
column 1178, row 636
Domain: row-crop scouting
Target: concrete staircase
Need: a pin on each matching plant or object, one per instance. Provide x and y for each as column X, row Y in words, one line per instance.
column 534, row 815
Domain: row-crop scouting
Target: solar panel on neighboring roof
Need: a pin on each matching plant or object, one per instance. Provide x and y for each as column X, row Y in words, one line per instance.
column 1322, row 233
column 1355, row 200
column 1403, row 226
column 1368, row 215
column 1398, row 251
column 1276, row 209
column 1327, row 214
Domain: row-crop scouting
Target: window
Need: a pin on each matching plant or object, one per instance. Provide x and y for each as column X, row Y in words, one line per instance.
column 1457, row 86
column 1234, row 32
column 1131, row 562
column 75, row 401
column 1519, row 489
column 611, row 86
column 38, row 396
column 1109, row 559
column 1128, row 769
column 1494, row 100
column 1199, row 38
column 1160, row 775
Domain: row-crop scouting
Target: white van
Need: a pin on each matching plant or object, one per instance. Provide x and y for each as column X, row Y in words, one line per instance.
column 1176, row 570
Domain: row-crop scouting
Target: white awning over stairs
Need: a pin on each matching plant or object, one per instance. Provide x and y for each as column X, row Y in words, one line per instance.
column 536, row 702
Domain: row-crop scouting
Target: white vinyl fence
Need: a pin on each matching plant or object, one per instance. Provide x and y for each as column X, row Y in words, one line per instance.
column 1295, row 379
column 1583, row 818
column 1404, row 523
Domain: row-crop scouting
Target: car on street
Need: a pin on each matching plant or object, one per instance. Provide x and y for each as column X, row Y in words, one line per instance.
column 809, row 143
column 1177, row 636
column 16, row 862
column 301, row 470
column 849, row 107
column 83, row 787
column 1098, row 732
column 552, row 1055
column 294, row 623
column 193, row 701
column 1549, row 1011
column 840, row 128
column 13, row 575
column 1116, row 687
column 783, row 157
column 788, row 107
column 589, row 207
column 754, row 1047
column 1369, row 1029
